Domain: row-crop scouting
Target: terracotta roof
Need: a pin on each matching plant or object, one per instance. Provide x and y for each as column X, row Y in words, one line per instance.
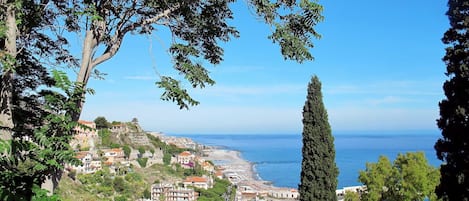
column 85, row 122
column 195, row 179
column 185, row 153
column 81, row 154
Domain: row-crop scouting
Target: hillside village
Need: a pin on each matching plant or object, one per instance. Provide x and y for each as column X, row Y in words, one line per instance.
column 120, row 161
column 123, row 148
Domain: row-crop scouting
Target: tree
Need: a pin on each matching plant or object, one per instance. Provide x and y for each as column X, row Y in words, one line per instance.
column 318, row 169
column 127, row 151
column 351, row 196
column 141, row 150
column 146, row 194
column 101, row 122
column 452, row 148
column 33, row 33
column 409, row 177
column 197, row 27
column 35, row 130
column 119, row 184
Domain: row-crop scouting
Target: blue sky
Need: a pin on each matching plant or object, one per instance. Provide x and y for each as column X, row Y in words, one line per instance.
column 379, row 63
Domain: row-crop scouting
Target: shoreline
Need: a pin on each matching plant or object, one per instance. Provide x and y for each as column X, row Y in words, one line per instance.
column 238, row 170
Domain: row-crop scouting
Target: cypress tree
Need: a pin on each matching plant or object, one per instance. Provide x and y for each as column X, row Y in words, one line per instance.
column 318, row 168
column 453, row 147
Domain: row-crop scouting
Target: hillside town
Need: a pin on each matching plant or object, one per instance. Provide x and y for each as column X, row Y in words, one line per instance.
column 98, row 150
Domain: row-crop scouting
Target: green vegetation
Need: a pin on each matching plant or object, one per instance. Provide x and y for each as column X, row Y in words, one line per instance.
column 218, row 192
column 318, row 169
column 452, row 148
column 101, row 123
column 34, row 40
column 168, row 150
column 127, row 151
column 103, row 185
column 351, row 196
column 105, row 136
column 141, row 150
column 25, row 163
column 410, row 177
column 142, row 162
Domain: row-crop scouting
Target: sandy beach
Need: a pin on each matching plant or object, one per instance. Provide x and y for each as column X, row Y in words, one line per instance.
column 240, row 172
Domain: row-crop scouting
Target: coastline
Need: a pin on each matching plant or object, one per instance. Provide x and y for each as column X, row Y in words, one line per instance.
column 241, row 172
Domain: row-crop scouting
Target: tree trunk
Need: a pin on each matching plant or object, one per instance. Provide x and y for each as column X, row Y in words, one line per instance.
column 6, row 88
column 89, row 44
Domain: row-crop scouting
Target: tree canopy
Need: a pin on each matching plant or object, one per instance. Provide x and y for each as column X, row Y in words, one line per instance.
column 452, row 148
column 34, row 40
column 101, row 122
column 318, row 169
column 197, row 27
column 409, row 177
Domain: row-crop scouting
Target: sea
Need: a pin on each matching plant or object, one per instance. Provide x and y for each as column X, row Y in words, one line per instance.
column 277, row 157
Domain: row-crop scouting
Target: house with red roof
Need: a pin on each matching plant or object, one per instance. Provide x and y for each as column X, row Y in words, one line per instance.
column 186, row 159
column 198, row 182
column 89, row 165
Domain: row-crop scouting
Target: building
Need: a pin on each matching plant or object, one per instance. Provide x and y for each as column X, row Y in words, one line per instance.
column 113, row 155
column 186, row 159
column 341, row 192
column 86, row 128
column 85, row 134
column 284, row 193
column 119, row 128
column 207, row 166
column 88, row 164
column 170, row 193
column 198, row 182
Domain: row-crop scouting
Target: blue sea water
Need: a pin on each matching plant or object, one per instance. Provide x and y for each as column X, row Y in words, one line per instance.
column 277, row 157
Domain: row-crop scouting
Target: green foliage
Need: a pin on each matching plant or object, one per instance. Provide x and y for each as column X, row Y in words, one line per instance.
column 197, row 29
column 168, row 150
column 175, row 93
column 119, row 184
column 146, row 194
column 293, row 31
column 126, row 150
column 410, row 177
column 452, row 147
column 49, row 128
column 114, row 145
column 104, row 185
column 142, row 162
column 133, row 177
column 41, row 195
column 318, row 169
column 105, row 136
column 101, row 122
column 219, row 190
column 166, row 158
column 351, row 196
column 141, row 150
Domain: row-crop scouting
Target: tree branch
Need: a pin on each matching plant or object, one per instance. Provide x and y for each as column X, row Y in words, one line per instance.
column 118, row 37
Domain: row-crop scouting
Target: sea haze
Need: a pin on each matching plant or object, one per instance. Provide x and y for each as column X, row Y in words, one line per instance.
column 277, row 157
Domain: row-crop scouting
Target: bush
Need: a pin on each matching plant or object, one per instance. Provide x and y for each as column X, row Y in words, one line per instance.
column 119, row 184
column 142, row 162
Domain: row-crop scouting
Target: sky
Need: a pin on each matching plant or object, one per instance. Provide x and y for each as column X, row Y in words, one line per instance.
column 379, row 63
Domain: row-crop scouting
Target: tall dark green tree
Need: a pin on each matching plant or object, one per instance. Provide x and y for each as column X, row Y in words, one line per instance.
column 101, row 122
column 318, row 169
column 453, row 147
